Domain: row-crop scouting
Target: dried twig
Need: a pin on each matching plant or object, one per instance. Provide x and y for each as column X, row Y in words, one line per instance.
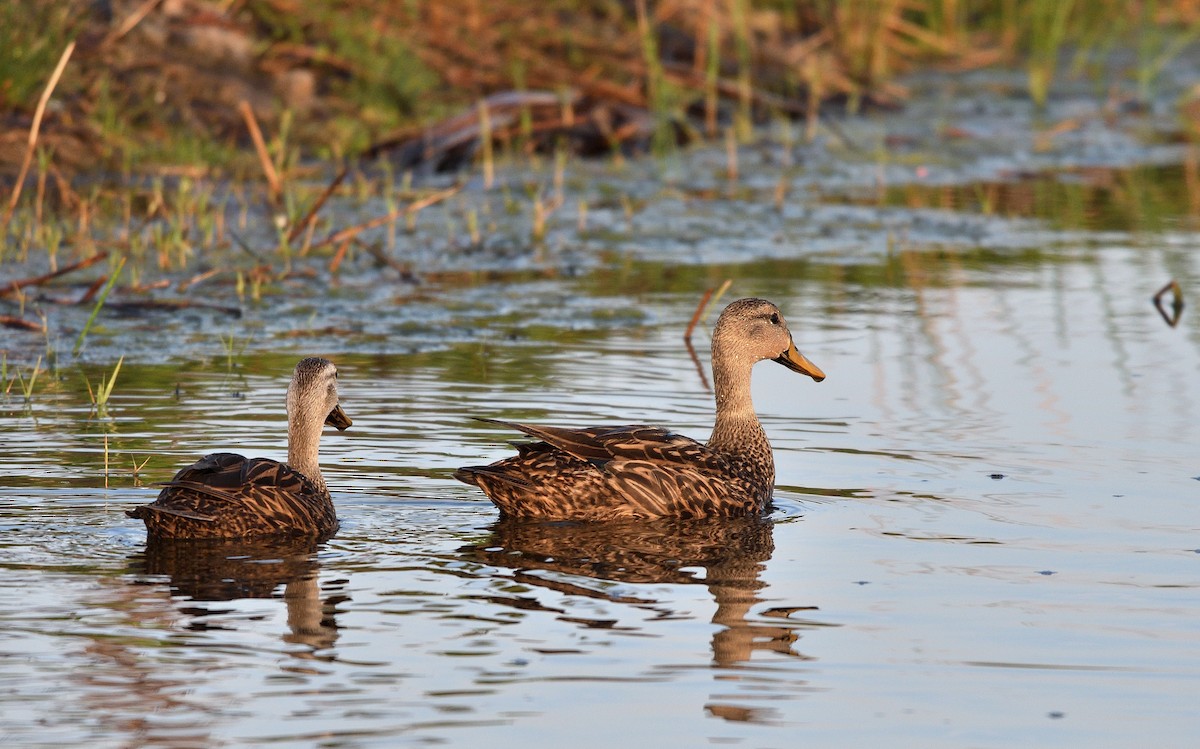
column 35, row 128
column 696, row 363
column 20, row 323
column 687, row 335
column 309, row 217
column 260, row 147
column 12, row 286
column 93, row 290
column 131, row 21
column 351, row 232
column 385, row 259
column 339, row 256
column 709, row 297
column 172, row 304
column 199, row 277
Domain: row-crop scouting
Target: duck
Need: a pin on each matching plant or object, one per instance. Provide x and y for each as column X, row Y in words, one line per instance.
column 621, row 472
column 229, row 496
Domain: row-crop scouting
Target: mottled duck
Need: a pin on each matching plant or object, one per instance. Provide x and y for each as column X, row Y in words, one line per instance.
column 609, row 472
column 225, row 495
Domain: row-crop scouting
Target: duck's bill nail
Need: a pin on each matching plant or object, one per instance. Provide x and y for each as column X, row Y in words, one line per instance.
column 797, row 362
column 338, row 418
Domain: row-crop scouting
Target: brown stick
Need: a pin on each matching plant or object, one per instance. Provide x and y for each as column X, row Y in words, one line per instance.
column 131, row 20
column 37, row 280
column 93, row 290
column 161, row 283
column 709, row 297
column 172, row 304
column 34, row 128
column 696, row 362
column 20, row 323
column 354, row 231
column 389, row 261
column 260, row 147
column 316, row 206
column 687, row 336
column 338, row 256
column 185, row 285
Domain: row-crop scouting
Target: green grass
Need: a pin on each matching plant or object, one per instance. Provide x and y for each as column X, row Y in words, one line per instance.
column 103, row 391
column 382, row 66
column 25, row 385
column 32, row 36
column 1047, row 32
column 112, row 280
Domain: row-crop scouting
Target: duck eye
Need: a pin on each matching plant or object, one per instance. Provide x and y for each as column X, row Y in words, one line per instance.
column 774, row 318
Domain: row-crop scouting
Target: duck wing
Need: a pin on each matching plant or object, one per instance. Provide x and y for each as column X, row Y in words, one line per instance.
column 602, row 445
column 227, row 494
column 232, row 477
column 653, row 471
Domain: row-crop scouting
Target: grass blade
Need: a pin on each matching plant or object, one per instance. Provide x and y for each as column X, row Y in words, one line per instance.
column 106, row 387
column 112, row 280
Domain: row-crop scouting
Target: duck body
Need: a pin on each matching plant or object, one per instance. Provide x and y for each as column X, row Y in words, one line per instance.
column 225, row 495
column 612, row 472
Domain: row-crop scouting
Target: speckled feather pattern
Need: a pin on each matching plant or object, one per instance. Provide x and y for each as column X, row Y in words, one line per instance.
column 225, row 495
column 622, row 472
column 606, row 473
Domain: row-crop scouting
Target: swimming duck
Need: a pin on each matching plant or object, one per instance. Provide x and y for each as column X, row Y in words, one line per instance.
column 224, row 495
column 604, row 473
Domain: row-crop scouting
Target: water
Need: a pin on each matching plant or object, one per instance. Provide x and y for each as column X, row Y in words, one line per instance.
column 986, row 530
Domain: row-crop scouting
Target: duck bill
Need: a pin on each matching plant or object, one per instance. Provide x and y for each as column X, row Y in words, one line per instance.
column 338, row 418
column 798, row 362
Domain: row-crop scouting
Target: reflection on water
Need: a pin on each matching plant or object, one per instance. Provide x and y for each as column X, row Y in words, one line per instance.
column 207, row 571
column 227, row 570
column 1001, row 523
column 725, row 556
column 1157, row 197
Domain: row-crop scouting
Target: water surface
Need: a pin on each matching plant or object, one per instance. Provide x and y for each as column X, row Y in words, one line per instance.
column 986, row 529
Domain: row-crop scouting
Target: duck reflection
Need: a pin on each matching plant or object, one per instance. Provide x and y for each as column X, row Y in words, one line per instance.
column 208, row 570
column 726, row 555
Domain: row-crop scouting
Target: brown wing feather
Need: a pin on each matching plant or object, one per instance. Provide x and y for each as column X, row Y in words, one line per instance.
column 225, row 495
column 581, row 443
column 679, row 490
column 602, row 473
column 599, row 445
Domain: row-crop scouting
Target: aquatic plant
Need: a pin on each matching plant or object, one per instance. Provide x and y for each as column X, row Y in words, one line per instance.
column 485, row 140
column 104, row 389
column 744, row 120
column 112, row 280
column 26, row 386
column 658, row 99
column 1158, row 44
column 380, row 71
column 31, row 36
column 137, row 468
column 232, row 350
column 1047, row 29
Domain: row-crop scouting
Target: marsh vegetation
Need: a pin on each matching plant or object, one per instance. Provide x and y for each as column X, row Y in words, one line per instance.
column 984, row 521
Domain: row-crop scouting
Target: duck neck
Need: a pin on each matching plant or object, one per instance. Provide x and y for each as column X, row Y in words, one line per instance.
column 304, row 439
column 737, row 429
